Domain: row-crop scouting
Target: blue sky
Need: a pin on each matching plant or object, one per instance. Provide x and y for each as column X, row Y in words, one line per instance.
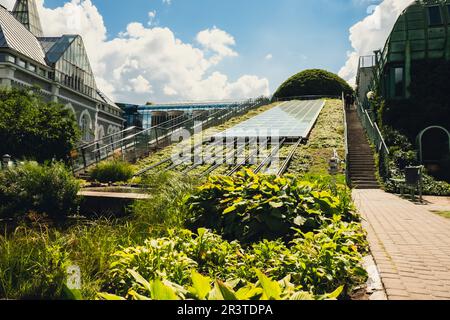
column 299, row 34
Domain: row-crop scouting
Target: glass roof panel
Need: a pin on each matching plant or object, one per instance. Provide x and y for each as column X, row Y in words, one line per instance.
column 292, row 119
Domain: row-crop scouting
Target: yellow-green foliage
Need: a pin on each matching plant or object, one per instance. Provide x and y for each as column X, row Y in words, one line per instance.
column 327, row 135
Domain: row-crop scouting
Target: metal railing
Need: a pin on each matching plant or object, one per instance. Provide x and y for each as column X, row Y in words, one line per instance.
column 375, row 137
column 347, row 171
column 138, row 144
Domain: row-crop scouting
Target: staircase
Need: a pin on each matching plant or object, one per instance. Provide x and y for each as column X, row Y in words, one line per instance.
column 361, row 163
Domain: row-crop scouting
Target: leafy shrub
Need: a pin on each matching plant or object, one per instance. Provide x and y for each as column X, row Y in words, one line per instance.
column 34, row 129
column 313, row 82
column 264, row 289
column 316, row 263
column 112, row 171
column 42, row 189
column 250, row 207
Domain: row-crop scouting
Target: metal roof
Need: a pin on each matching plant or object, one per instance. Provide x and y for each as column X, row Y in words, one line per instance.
column 16, row 36
column 293, row 119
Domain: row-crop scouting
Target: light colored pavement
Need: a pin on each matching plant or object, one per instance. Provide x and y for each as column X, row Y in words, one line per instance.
column 410, row 245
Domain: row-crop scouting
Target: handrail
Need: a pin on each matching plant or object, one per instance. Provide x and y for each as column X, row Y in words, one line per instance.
column 347, row 176
column 141, row 142
column 90, row 144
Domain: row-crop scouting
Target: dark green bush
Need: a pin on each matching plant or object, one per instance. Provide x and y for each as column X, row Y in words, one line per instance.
column 42, row 189
column 250, row 207
column 31, row 128
column 313, row 82
column 112, row 171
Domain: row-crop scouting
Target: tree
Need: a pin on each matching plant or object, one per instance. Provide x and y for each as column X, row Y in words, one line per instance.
column 31, row 128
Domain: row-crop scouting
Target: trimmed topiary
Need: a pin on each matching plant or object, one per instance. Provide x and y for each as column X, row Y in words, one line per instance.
column 313, row 82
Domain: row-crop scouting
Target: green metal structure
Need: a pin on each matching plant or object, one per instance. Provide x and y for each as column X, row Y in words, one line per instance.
column 420, row 33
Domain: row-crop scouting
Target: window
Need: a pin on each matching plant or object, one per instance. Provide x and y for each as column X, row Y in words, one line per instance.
column 21, row 63
column 85, row 127
column 42, row 72
column 32, row 67
column 399, row 82
column 10, row 58
column 434, row 16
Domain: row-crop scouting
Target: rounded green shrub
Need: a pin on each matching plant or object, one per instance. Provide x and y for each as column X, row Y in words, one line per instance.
column 313, row 82
column 251, row 207
column 41, row 189
column 112, row 171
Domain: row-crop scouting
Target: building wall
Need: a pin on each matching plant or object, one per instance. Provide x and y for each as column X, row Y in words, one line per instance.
column 94, row 115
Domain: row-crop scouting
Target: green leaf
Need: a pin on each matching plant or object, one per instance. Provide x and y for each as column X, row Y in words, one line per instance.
column 271, row 289
column 139, row 279
column 302, row 296
column 109, row 296
column 336, row 293
column 227, row 293
column 200, row 284
column 276, row 205
column 162, row 292
column 230, row 209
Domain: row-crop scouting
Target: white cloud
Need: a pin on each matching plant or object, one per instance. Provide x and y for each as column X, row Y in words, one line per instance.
column 217, row 41
column 140, row 85
column 371, row 34
column 145, row 63
column 151, row 18
column 269, row 56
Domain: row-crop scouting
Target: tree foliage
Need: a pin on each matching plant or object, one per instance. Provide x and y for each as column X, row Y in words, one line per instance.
column 34, row 129
column 313, row 82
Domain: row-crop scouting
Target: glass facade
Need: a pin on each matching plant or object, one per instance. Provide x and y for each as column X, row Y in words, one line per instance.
column 26, row 12
column 434, row 16
column 72, row 67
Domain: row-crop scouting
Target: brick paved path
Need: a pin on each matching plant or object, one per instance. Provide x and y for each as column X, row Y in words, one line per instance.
column 410, row 245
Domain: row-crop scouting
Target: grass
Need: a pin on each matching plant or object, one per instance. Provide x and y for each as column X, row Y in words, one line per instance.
column 445, row 214
column 327, row 135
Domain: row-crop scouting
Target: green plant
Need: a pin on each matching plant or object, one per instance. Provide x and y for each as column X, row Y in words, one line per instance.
column 164, row 208
column 43, row 189
column 250, row 207
column 201, row 289
column 112, row 171
column 32, row 265
column 313, row 82
column 34, row 129
column 316, row 262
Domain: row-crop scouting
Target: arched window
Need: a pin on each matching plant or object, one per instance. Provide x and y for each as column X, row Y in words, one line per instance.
column 85, row 125
column 100, row 132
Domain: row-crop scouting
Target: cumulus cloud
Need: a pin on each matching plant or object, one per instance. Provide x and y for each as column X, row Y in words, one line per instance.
column 149, row 62
column 217, row 41
column 269, row 56
column 371, row 33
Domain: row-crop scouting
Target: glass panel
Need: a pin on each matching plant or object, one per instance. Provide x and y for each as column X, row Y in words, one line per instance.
column 399, row 83
column 434, row 15
column 10, row 58
column 21, row 63
column 32, row 67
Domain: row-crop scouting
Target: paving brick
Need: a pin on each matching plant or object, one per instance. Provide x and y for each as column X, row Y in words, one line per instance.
column 410, row 245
